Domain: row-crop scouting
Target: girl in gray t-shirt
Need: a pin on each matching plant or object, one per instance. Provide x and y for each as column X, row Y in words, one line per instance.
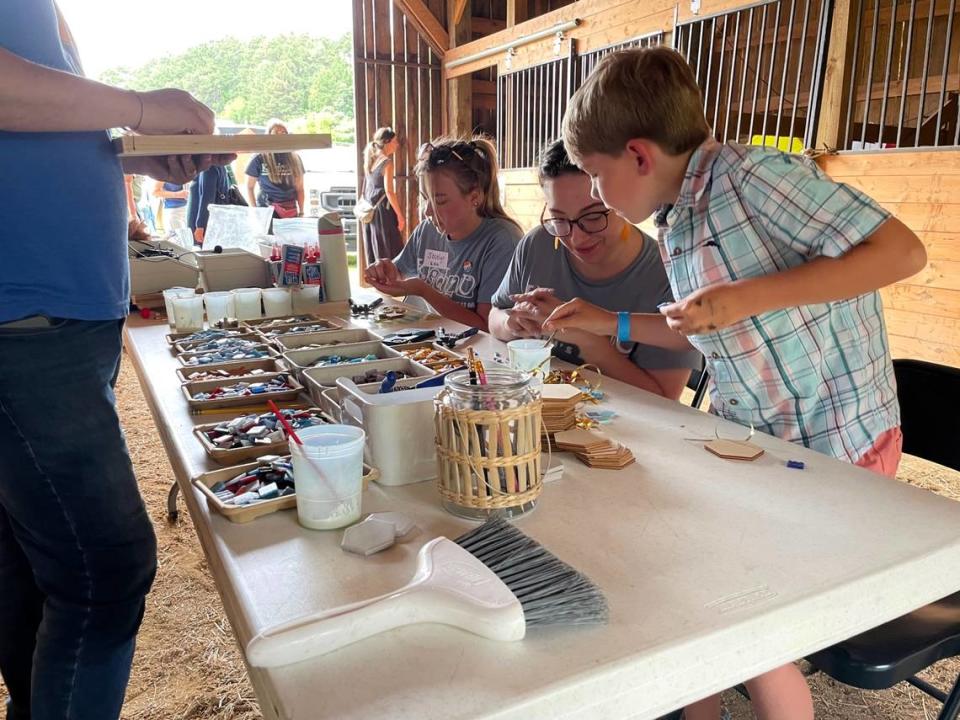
column 456, row 258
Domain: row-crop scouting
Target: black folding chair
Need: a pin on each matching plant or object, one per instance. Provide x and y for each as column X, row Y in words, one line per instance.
column 698, row 383
column 896, row 651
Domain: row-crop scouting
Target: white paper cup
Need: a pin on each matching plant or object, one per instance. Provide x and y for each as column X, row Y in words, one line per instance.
column 188, row 313
column 219, row 305
column 168, row 295
column 277, row 302
column 328, row 475
column 529, row 355
column 246, row 303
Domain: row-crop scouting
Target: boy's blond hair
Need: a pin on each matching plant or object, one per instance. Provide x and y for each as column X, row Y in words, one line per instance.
column 648, row 93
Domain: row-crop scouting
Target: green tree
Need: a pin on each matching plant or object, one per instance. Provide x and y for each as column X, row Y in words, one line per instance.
column 288, row 76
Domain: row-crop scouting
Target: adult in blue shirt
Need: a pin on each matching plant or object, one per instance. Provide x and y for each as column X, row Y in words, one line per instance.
column 211, row 186
column 280, row 176
column 77, row 550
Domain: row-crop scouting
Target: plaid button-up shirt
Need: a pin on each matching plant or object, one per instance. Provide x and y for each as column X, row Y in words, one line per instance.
column 819, row 375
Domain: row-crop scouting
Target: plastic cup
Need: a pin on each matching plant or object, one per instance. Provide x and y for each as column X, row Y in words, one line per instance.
column 306, row 299
column 168, row 295
column 328, row 475
column 246, row 303
column 277, row 302
column 529, row 355
column 219, row 305
column 188, row 313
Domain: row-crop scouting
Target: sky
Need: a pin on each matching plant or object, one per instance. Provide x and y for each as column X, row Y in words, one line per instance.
column 120, row 32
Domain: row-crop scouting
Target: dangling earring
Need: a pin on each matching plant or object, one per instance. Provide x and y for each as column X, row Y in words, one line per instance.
column 625, row 233
column 556, row 243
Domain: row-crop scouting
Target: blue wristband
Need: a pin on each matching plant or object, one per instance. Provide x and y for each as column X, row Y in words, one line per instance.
column 623, row 327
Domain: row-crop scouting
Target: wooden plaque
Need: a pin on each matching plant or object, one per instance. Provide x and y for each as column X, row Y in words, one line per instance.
column 140, row 145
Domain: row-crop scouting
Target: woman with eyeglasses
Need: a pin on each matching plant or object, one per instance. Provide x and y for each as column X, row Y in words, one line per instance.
column 584, row 249
column 456, row 258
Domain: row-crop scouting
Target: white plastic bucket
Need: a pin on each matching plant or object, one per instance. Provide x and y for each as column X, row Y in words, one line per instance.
column 219, row 305
column 328, row 475
column 188, row 313
column 529, row 355
column 277, row 302
column 246, row 303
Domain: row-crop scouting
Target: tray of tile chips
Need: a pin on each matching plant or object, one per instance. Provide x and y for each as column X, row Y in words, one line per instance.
column 227, row 350
column 189, row 342
column 249, row 436
column 346, row 354
column 323, row 339
column 271, row 327
column 245, row 492
column 241, row 391
column 433, row 356
column 176, row 338
column 224, row 371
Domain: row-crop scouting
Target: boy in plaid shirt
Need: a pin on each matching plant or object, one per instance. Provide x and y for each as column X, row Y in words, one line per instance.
column 775, row 269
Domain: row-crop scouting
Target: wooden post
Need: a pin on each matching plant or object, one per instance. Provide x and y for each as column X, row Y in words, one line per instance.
column 460, row 89
column 836, row 80
column 517, row 11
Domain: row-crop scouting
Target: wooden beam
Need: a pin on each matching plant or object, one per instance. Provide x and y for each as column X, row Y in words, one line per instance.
column 459, row 102
column 836, row 80
column 486, row 26
column 517, row 11
column 459, row 7
column 425, row 23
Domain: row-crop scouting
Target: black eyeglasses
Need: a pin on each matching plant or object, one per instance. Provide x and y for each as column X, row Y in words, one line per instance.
column 590, row 222
column 437, row 156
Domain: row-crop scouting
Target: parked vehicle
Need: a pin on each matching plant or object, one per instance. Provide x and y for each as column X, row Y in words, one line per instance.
column 330, row 185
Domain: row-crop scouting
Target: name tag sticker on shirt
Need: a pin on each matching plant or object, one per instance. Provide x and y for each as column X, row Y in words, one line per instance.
column 436, row 259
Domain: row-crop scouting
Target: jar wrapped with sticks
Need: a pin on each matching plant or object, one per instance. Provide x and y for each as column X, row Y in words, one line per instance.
column 488, row 443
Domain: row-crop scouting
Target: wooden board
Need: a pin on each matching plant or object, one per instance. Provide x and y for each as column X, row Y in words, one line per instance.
column 140, row 145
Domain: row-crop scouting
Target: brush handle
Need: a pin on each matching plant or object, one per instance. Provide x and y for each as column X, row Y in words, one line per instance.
column 450, row 587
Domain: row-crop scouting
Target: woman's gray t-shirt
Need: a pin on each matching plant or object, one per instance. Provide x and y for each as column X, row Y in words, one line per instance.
column 467, row 271
column 638, row 289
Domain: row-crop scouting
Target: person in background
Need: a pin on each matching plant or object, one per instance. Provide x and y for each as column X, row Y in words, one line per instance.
column 77, row 549
column 173, row 201
column 775, row 269
column 280, row 176
column 132, row 186
column 456, row 258
column 211, row 186
column 583, row 249
column 382, row 236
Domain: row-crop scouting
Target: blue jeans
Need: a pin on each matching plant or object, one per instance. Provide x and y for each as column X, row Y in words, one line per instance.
column 77, row 549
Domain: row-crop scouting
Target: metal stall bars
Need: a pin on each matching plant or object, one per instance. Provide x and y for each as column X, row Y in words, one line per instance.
column 912, row 46
column 760, row 69
column 530, row 107
column 588, row 61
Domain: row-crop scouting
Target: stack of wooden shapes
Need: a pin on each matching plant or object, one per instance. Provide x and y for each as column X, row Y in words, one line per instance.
column 594, row 449
column 559, row 407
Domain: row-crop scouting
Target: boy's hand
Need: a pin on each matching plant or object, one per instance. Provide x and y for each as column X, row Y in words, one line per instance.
column 707, row 310
column 578, row 314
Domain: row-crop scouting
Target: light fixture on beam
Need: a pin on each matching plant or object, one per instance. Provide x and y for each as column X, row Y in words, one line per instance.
column 555, row 31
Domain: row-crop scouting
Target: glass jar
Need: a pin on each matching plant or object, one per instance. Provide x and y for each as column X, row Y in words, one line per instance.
column 505, row 390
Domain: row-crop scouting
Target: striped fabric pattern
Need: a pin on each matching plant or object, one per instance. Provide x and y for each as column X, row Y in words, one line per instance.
column 819, row 375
